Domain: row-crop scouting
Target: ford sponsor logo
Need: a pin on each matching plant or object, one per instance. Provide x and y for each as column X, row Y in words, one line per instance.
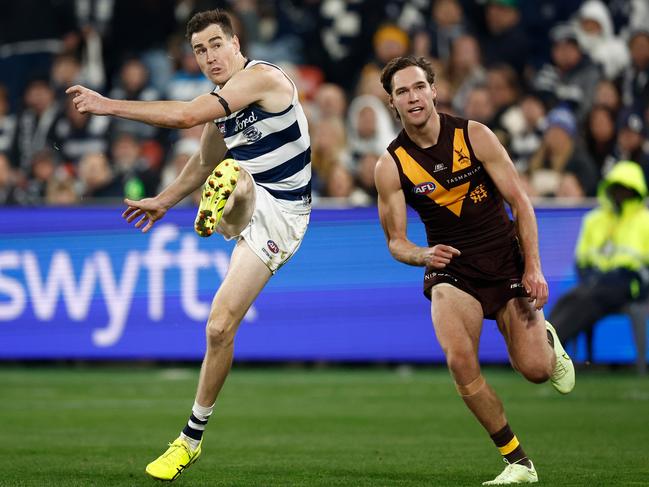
column 424, row 188
column 272, row 246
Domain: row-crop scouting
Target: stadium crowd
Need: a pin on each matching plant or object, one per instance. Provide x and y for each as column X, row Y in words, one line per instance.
column 563, row 83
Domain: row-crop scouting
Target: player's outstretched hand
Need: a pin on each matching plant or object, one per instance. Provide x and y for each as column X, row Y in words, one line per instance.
column 149, row 210
column 536, row 287
column 87, row 101
column 440, row 255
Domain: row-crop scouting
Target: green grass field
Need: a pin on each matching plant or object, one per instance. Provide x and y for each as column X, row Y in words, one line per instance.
column 330, row 427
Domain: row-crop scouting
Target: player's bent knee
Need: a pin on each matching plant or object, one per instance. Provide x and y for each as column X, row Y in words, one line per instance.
column 461, row 363
column 472, row 388
column 220, row 332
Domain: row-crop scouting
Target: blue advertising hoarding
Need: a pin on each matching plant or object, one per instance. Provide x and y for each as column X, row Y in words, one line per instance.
column 79, row 283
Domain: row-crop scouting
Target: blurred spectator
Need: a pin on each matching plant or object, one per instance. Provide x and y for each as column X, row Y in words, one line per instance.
column 504, row 90
column 96, row 178
column 61, row 190
column 328, row 149
column 388, row 42
column 9, row 193
column 572, row 76
column 598, row 40
column 35, row 125
column 370, row 84
column 631, row 142
column 600, row 135
column 612, row 254
column 505, row 40
column 607, row 95
column 445, row 26
column 134, row 85
column 43, row 166
column 31, row 32
column 131, row 169
column 330, row 101
column 367, row 192
column 188, row 81
column 561, row 156
column 465, row 71
column 527, row 139
column 370, row 128
column 76, row 134
column 67, row 70
column 339, row 182
column 479, row 105
column 7, row 122
column 444, row 98
column 635, row 78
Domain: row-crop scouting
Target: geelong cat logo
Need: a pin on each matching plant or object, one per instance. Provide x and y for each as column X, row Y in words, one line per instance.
column 424, row 188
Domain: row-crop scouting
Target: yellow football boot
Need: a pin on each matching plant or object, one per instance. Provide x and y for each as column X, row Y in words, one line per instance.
column 174, row 461
column 563, row 375
column 217, row 189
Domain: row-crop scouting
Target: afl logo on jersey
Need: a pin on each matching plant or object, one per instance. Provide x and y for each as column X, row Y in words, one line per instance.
column 272, row 246
column 221, row 127
column 424, row 188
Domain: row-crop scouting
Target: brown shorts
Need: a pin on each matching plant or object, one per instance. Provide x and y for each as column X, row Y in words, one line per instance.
column 492, row 277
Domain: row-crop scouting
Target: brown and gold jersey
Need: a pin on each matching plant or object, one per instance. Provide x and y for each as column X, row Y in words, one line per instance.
column 451, row 191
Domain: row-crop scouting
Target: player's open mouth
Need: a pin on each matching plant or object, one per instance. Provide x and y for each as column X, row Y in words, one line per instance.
column 415, row 110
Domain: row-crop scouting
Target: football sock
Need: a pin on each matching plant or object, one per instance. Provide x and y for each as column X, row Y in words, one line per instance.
column 509, row 447
column 193, row 431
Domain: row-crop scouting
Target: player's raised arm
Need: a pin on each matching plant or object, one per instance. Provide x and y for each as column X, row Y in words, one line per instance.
column 392, row 213
column 250, row 88
column 501, row 169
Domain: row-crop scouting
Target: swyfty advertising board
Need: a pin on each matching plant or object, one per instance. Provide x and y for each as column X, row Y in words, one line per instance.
column 79, row 283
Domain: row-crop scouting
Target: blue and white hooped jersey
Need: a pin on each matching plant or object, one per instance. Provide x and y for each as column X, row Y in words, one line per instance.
column 274, row 148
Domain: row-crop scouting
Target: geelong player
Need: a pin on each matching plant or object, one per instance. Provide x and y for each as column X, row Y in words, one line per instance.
column 479, row 263
column 260, row 195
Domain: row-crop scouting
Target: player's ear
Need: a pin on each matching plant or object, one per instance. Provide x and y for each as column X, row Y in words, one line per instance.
column 390, row 101
column 235, row 41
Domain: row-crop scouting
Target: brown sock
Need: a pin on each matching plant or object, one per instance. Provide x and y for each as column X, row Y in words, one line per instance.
column 509, row 447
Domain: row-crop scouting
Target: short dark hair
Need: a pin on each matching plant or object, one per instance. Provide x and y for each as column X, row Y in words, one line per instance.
column 399, row 63
column 201, row 20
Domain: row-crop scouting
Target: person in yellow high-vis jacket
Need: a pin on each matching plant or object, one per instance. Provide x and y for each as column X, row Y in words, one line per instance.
column 612, row 254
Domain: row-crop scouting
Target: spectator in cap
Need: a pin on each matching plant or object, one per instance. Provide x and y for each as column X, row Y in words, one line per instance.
column 389, row 41
column 561, row 167
column 597, row 38
column 572, row 77
column 635, row 78
column 631, row 142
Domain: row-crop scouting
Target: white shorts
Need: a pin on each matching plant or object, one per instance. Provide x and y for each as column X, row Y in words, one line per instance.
column 273, row 233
